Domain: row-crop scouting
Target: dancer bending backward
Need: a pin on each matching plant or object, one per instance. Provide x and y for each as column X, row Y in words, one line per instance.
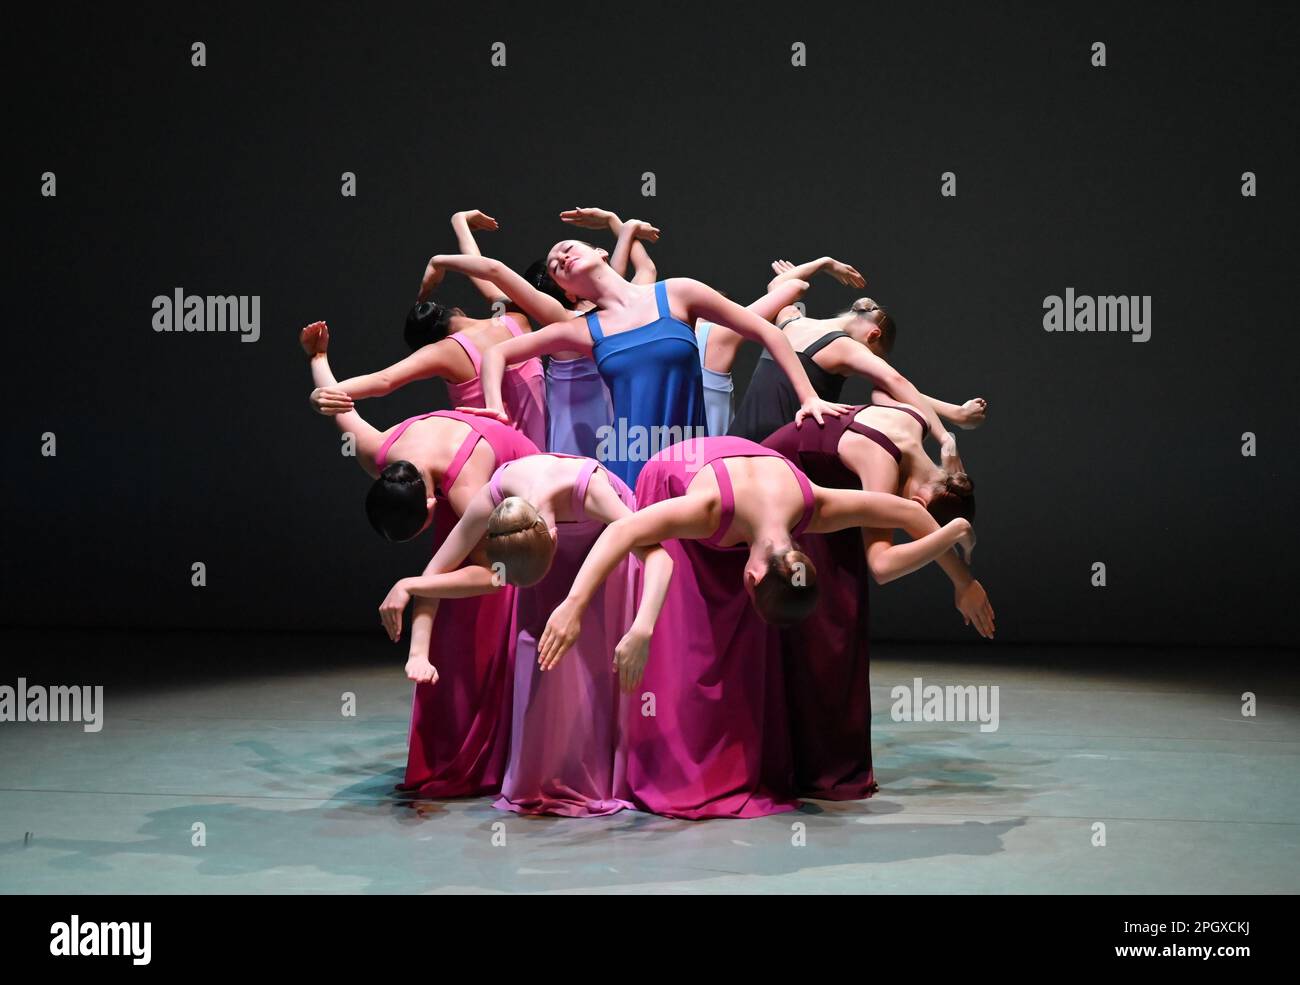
column 728, row 512
column 718, row 346
column 854, row 343
column 459, row 735
column 448, row 344
column 540, row 516
column 645, row 352
column 827, row 658
column 578, row 403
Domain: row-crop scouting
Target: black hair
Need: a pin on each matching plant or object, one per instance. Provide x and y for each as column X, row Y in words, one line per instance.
column 537, row 275
column 397, row 504
column 426, row 323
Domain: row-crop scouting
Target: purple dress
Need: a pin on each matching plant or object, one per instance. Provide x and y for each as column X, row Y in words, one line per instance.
column 460, row 726
column 564, row 726
column 578, row 404
column 705, row 735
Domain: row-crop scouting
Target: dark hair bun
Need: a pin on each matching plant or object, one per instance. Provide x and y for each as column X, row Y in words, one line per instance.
column 426, row 323
column 960, row 484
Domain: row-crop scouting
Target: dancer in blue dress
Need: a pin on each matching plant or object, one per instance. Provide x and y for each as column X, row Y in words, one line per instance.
column 646, row 352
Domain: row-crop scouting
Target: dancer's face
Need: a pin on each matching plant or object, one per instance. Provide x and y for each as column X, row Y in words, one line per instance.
column 571, row 263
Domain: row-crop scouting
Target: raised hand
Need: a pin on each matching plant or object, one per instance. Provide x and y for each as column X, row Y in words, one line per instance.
column 973, row 413
column 588, row 218
column 973, row 604
column 781, row 266
column 847, row 275
column 315, row 338
column 478, row 221
column 643, row 230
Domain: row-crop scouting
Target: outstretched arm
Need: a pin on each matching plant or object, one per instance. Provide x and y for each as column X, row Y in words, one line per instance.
column 464, row 224
column 315, row 342
column 634, row 648
column 967, row 416
column 629, row 245
column 541, row 308
column 426, row 362
column 841, row 509
column 563, row 336
column 683, row 517
column 842, row 272
column 702, row 301
column 847, row 357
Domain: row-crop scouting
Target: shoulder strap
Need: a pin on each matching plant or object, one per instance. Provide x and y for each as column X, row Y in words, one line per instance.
column 702, row 336
column 580, row 488
column 593, row 326
column 823, row 342
column 806, row 488
column 728, row 495
column 494, row 487
column 381, row 458
column 458, row 462
column 661, row 299
column 867, row 431
column 512, row 326
column 470, row 350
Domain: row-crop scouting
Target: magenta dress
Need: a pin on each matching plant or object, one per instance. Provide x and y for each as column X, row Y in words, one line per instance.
column 564, row 727
column 828, row 657
column 460, row 726
column 523, row 388
column 705, row 734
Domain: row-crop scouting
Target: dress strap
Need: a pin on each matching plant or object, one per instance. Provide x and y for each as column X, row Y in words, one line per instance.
column 661, row 299
column 702, row 337
column 925, row 425
column 878, row 437
column 728, row 501
column 512, row 326
column 471, row 350
column 593, row 326
column 458, row 462
column 381, row 459
column 494, row 487
column 806, row 488
column 580, row 488
column 823, row 342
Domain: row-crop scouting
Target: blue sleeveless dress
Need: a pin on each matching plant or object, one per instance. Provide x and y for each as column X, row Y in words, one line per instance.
column 656, row 384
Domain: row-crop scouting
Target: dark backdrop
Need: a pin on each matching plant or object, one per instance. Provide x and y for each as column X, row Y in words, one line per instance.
column 225, row 180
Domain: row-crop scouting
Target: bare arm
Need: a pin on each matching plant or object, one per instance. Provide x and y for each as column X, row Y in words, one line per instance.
column 723, row 342
column 464, row 224
column 426, row 362
column 841, row 509
column 702, row 301
column 968, row 416
column 688, row 517
column 629, row 245
column 541, row 308
column 315, row 341
column 842, row 272
column 563, row 336
column 847, row 357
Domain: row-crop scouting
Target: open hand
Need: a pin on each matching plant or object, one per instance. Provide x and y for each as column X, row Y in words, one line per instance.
column 973, row 604
column 392, row 608
column 560, row 634
column 819, row 408
column 588, row 218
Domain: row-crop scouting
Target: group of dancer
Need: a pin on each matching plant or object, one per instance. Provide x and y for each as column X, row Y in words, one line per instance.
column 641, row 595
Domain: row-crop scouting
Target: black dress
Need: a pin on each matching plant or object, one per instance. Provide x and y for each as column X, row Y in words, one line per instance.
column 770, row 402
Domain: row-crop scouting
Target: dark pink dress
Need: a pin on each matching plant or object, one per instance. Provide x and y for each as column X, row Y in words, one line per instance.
column 705, row 734
column 828, row 657
column 460, row 726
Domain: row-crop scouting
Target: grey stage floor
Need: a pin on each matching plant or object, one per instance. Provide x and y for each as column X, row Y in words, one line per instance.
column 294, row 797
